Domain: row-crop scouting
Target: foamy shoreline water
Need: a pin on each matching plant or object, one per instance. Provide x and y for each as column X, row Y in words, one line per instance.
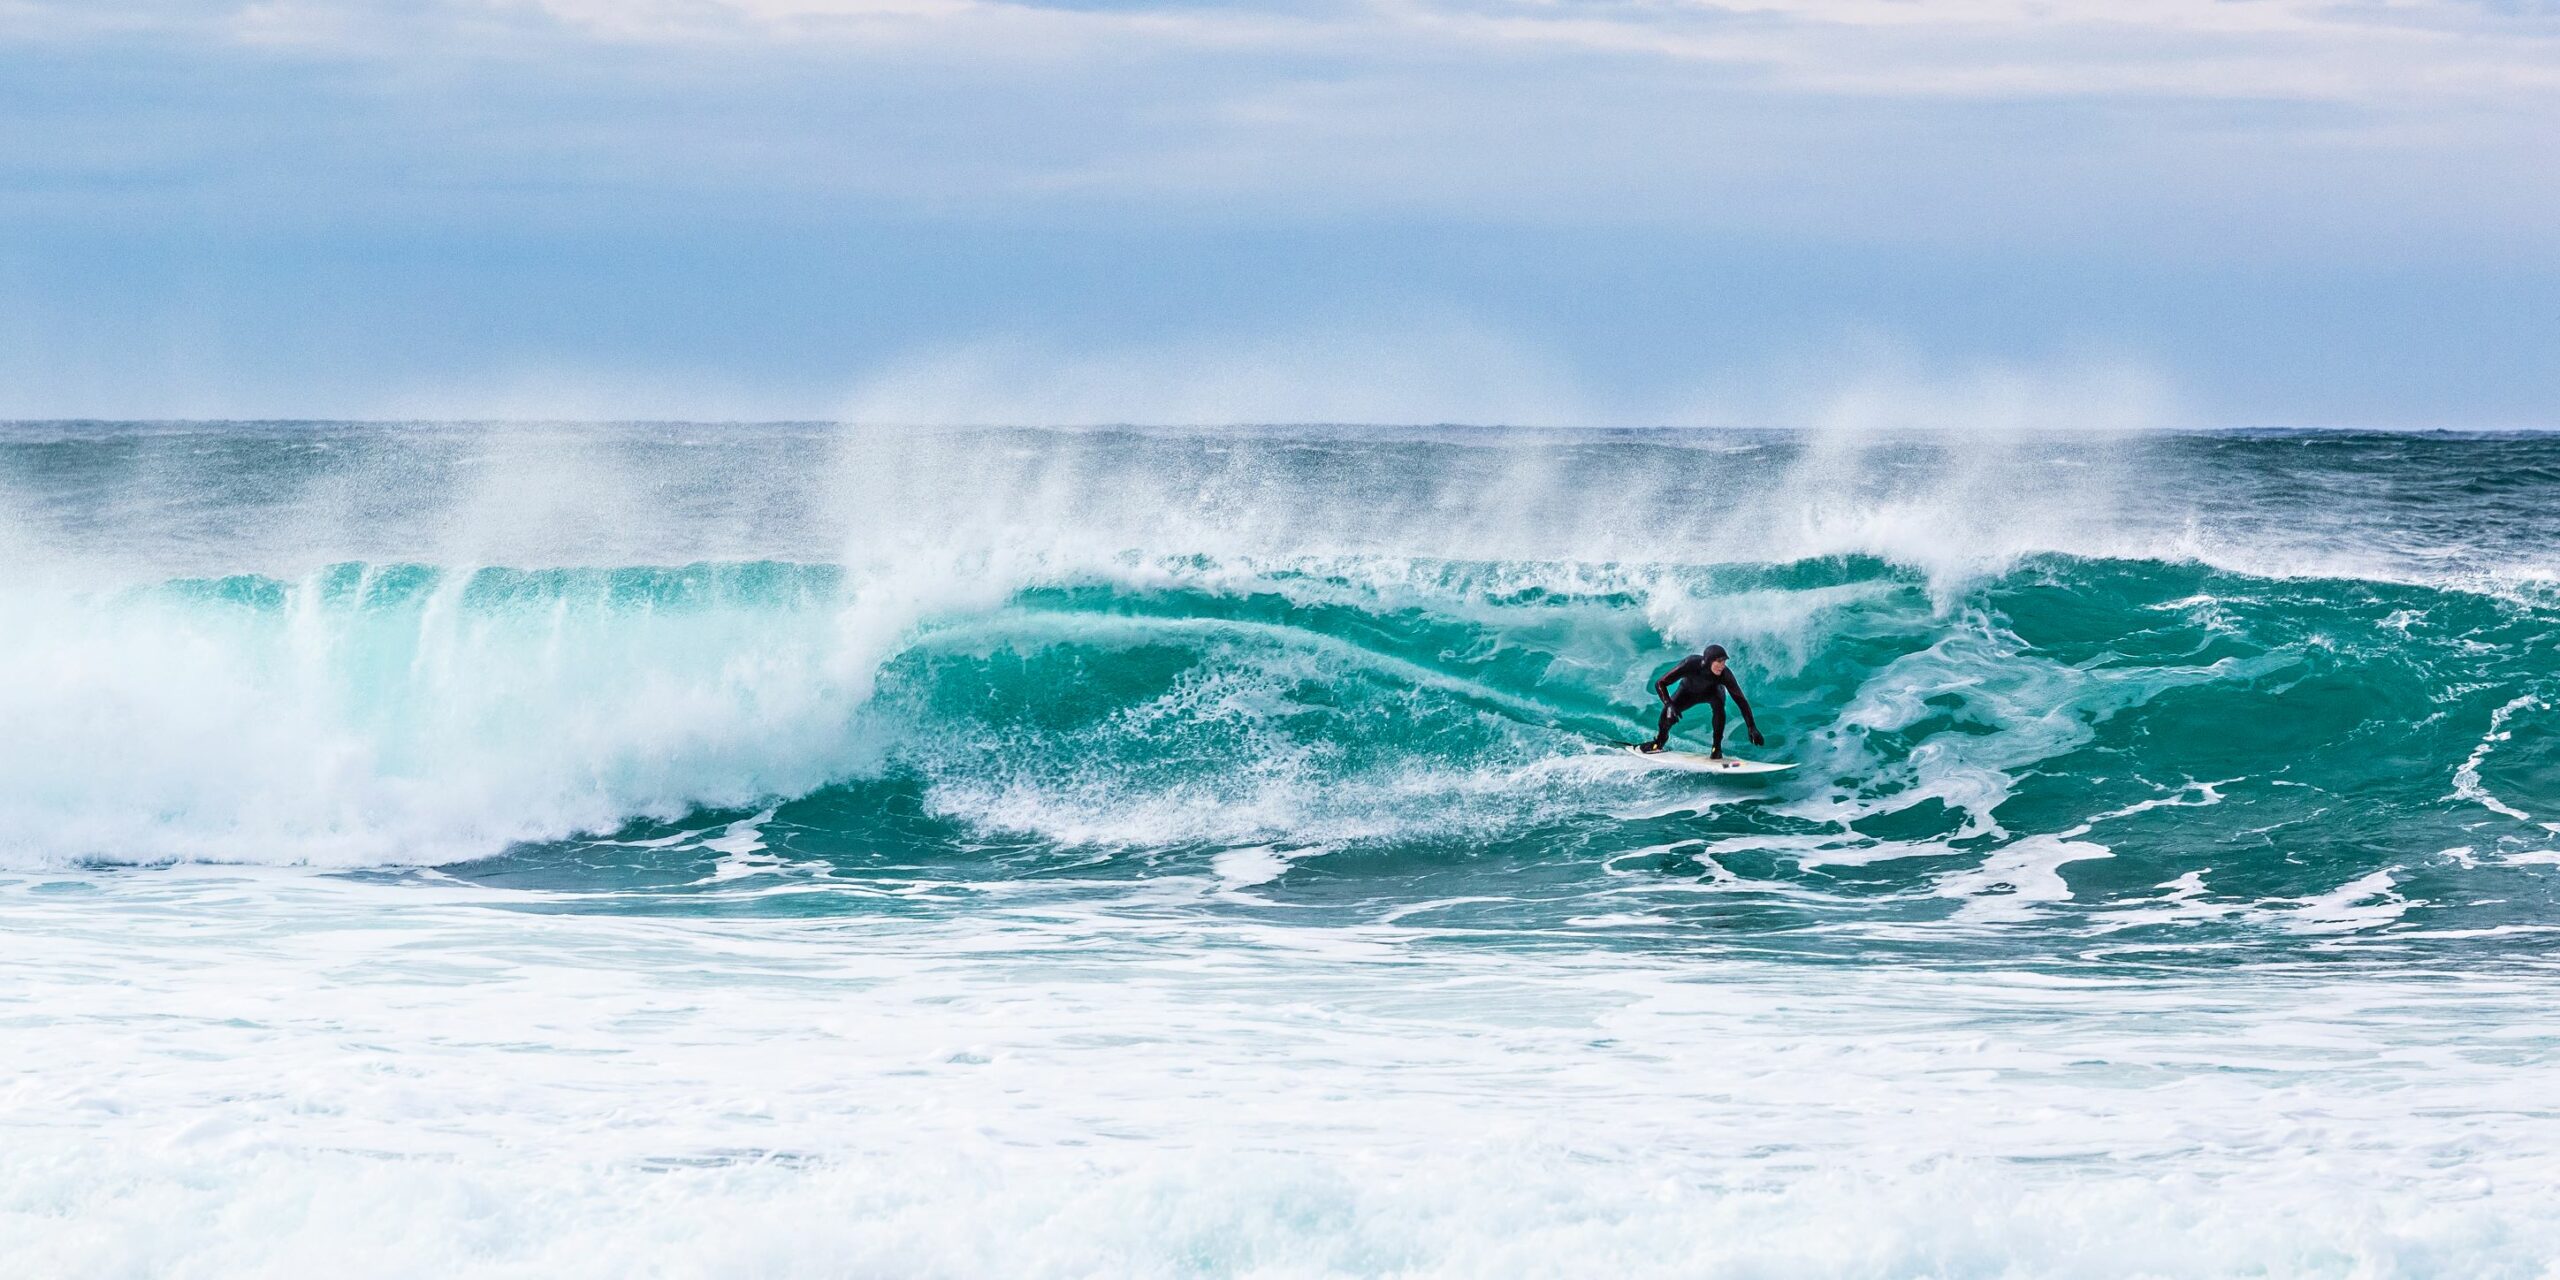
column 227, row 1073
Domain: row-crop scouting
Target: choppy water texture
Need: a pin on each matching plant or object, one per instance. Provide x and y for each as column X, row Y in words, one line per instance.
column 798, row 851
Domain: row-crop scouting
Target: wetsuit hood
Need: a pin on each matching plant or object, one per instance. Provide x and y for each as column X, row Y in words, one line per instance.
column 1714, row 653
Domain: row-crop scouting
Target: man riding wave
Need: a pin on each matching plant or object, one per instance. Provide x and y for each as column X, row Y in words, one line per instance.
column 1704, row 677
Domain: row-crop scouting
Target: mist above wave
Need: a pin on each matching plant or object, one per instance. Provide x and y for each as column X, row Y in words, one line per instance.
column 139, row 503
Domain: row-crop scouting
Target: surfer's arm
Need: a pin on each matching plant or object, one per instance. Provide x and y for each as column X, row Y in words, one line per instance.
column 1743, row 705
column 1662, row 687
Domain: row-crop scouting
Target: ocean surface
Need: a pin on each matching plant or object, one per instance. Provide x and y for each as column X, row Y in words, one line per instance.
column 643, row 849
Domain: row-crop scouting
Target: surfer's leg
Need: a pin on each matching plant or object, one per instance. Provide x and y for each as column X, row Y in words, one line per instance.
column 1717, row 752
column 1662, row 733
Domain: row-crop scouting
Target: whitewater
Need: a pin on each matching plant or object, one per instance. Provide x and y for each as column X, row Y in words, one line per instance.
column 621, row 849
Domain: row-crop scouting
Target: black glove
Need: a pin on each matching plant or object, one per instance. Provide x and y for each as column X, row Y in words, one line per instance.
column 1757, row 740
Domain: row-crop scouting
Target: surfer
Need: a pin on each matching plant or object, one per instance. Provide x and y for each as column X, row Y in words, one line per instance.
column 1704, row 677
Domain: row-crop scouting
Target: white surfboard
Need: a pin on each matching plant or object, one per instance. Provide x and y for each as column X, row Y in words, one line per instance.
column 1701, row 762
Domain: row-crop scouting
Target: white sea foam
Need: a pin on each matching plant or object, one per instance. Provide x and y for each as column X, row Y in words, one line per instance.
column 742, row 849
column 2025, row 874
column 293, row 1073
column 2022, row 875
column 1245, row 868
column 2363, row 903
column 2466, row 779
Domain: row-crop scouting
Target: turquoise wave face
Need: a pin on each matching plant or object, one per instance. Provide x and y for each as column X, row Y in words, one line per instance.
column 2146, row 757
column 2126, row 757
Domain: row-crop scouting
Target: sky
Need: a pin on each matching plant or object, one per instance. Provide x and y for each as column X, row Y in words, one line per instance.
column 1552, row 212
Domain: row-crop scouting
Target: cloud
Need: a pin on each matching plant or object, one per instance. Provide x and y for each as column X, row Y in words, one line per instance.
column 2385, row 72
column 2315, row 50
column 2209, row 49
column 1018, row 210
column 1748, row 116
column 2374, row 53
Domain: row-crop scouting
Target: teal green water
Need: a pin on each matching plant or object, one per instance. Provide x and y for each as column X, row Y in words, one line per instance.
column 2315, row 717
column 2231, row 758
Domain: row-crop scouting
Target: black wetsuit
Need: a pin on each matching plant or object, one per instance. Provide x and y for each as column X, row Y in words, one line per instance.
column 1698, row 684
